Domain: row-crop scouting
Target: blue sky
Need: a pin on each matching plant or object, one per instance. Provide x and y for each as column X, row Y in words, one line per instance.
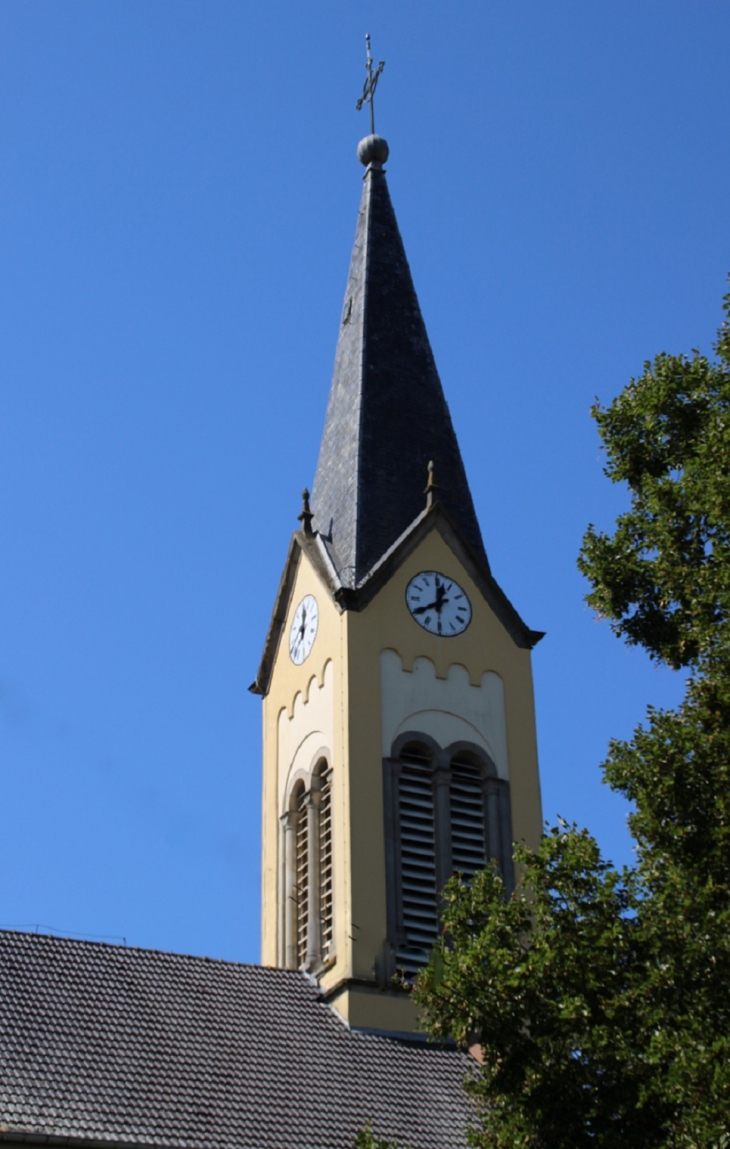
column 178, row 196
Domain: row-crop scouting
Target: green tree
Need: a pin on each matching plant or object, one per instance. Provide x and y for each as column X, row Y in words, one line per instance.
column 366, row 1139
column 601, row 998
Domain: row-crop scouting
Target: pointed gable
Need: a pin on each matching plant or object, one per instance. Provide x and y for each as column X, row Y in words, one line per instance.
column 387, row 415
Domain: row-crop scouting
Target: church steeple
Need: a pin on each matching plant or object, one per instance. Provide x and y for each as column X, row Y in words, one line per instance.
column 387, row 416
column 399, row 733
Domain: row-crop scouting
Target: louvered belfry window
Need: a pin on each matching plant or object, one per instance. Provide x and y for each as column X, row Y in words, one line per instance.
column 302, row 879
column 447, row 812
column 325, row 868
column 418, row 883
column 307, row 939
column 466, row 805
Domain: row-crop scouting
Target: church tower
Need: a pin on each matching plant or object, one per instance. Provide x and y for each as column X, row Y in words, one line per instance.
column 399, row 738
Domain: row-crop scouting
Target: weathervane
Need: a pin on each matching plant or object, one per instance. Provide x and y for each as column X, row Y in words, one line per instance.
column 371, row 83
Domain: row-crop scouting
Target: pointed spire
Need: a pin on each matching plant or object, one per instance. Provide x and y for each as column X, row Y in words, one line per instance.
column 387, row 415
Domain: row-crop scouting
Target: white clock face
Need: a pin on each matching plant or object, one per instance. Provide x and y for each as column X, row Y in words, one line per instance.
column 438, row 604
column 303, row 629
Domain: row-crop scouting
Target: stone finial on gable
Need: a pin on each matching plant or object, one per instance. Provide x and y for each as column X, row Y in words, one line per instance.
column 431, row 488
column 305, row 516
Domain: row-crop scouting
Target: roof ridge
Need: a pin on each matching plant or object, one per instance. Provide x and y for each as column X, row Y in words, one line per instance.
column 146, row 950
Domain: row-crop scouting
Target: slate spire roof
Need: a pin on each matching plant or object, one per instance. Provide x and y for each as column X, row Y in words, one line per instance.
column 387, row 415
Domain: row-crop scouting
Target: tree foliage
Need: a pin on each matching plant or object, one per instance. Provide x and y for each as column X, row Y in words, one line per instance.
column 601, row 998
column 663, row 578
column 366, row 1139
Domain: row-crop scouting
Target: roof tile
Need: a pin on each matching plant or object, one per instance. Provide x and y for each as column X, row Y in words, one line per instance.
column 109, row 1043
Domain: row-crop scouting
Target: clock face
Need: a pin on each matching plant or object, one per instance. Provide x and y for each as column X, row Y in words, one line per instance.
column 303, row 629
column 438, row 604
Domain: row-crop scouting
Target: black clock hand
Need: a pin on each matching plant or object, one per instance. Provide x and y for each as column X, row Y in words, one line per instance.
column 437, row 605
column 423, row 609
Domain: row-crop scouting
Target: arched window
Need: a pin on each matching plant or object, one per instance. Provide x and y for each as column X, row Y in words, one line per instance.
column 325, row 865
column 466, row 807
column 417, row 840
column 308, row 926
column 301, row 884
column 446, row 812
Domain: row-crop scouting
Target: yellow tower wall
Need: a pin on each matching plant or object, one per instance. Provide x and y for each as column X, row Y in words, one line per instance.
column 480, row 680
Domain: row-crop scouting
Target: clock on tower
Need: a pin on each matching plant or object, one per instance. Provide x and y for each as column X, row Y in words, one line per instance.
column 399, row 738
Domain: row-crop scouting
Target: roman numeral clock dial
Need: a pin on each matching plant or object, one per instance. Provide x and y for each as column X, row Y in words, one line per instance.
column 438, row 604
column 303, row 629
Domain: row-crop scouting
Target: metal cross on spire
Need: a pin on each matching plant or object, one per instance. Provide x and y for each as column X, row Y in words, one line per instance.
column 371, row 83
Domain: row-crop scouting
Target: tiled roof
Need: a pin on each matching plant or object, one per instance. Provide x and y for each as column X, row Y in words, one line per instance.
column 387, row 416
column 135, row 1047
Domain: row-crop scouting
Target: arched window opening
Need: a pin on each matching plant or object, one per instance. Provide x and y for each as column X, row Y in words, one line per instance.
column 302, row 877
column 325, row 865
column 419, row 893
column 466, row 807
column 447, row 813
column 307, row 873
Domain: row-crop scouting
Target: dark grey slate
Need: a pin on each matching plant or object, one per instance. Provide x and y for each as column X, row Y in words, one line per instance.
column 387, row 415
column 108, row 1044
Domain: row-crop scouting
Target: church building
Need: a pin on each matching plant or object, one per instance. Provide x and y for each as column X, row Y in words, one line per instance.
column 399, row 748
